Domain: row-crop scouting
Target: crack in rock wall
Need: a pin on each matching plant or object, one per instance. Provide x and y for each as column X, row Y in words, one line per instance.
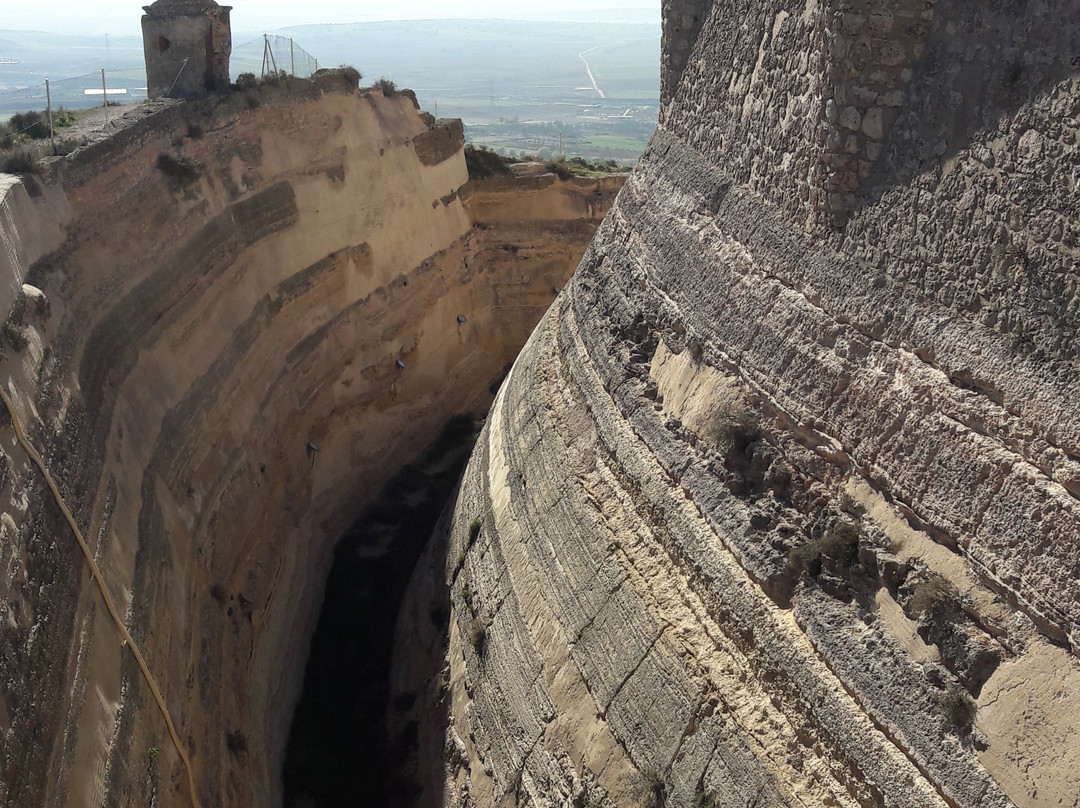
column 231, row 321
column 779, row 507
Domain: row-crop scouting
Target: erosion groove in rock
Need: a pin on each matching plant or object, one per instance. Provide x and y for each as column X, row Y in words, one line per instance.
column 778, row 505
column 228, row 324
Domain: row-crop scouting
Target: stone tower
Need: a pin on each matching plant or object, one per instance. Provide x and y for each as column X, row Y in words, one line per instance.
column 187, row 44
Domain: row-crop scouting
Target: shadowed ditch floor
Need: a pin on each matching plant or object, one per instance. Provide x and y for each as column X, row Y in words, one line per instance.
column 338, row 753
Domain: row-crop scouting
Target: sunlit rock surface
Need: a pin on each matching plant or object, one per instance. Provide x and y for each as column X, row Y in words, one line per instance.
column 779, row 504
column 241, row 316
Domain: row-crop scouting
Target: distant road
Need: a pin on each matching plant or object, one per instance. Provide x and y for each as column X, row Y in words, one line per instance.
column 588, row 70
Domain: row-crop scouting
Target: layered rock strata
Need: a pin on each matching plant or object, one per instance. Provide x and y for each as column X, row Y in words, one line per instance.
column 779, row 504
column 230, row 322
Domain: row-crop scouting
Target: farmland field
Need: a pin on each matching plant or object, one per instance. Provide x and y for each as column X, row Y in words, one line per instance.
column 516, row 84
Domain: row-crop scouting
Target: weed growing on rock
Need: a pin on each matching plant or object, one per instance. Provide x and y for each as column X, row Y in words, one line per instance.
column 478, row 636
column 467, row 596
column 181, row 171
column 387, row 87
column 957, row 706
column 236, row 743
column 653, row 784
column 12, row 336
column 933, row 592
column 705, row 799
column 840, row 543
column 64, row 147
column 474, row 532
column 696, row 349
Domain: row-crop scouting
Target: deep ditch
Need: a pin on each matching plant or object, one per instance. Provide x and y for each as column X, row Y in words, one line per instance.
column 338, row 754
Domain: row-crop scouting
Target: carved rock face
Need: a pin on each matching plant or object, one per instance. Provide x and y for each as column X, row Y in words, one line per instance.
column 779, row 504
column 219, row 384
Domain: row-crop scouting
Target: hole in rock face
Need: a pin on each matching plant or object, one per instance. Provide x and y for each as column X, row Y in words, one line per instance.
column 338, row 753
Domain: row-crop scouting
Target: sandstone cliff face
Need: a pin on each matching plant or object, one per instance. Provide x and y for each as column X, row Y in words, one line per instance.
column 779, row 504
column 241, row 318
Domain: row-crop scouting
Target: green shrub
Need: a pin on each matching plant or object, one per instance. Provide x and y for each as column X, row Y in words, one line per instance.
column 561, row 169
column 62, row 147
column 246, row 81
column 567, row 167
column 34, row 125
column 387, row 87
column 482, row 163
column 18, row 162
column 63, row 118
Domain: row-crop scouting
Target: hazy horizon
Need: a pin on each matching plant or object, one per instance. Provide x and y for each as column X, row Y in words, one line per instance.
column 121, row 17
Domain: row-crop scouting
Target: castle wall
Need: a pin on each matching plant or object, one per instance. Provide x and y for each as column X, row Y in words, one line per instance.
column 187, row 48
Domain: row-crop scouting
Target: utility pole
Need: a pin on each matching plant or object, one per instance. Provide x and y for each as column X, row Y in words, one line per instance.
column 104, row 96
column 292, row 55
column 560, row 145
column 48, row 103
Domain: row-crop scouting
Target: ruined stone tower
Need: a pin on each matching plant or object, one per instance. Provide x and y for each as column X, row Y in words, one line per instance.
column 187, row 45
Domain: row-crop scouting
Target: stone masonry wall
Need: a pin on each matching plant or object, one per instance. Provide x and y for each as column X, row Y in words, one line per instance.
column 779, row 505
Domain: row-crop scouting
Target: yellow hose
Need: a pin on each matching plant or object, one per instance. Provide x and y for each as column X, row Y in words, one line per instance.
column 100, row 580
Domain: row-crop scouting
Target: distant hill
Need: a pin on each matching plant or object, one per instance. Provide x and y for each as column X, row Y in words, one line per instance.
column 517, row 84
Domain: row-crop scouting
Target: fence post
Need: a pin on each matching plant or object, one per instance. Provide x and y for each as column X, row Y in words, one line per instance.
column 104, row 96
column 48, row 104
column 269, row 62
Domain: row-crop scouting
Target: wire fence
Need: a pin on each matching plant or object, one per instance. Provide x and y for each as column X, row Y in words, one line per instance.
column 272, row 54
column 268, row 53
column 77, row 92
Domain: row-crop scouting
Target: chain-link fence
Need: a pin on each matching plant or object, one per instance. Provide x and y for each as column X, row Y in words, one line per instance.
column 272, row 54
column 262, row 56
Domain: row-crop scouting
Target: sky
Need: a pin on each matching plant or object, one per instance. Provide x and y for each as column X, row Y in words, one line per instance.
column 119, row 17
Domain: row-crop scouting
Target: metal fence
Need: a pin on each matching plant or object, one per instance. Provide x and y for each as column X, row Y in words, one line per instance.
column 272, row 54
column 269, row 53
column 77, row 92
